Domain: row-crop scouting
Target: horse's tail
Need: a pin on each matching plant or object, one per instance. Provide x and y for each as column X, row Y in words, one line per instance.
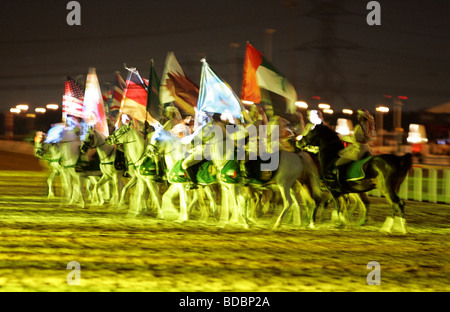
column 311, row 174
column 405, row 164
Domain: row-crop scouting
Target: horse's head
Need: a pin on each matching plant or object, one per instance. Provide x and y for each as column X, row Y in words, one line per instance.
column 117, row 136
column 310, row 139
column 89, row 141
column 321, row 136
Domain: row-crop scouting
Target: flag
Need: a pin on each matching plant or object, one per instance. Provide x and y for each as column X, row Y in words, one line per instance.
column 117, row 92
column 177, row 88
column 216, row 96
column 94, row 112
column 260, row 75
column 153, row 104
column 134, row 101
column 72, row 99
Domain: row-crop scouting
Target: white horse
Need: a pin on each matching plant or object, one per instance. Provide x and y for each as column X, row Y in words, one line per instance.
column 107, row 154
column 170, row 147
column 294, row 173
column 51, row 153
column 70, row 154
column 134, row 148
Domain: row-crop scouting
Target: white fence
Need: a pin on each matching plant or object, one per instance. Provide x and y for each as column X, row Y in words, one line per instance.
column 425, row 183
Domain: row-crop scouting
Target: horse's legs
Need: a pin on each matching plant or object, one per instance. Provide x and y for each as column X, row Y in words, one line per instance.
column 66, row 186
column 97, row 196
column 50, row 180
column 183, row 203
column 212, row 201
column 296, row 219
column 287, row 202
column 154, row 194
column 115, row 188
column 77, row 192
column 398, row 209
column 388, row 186
column 169, row 212
column 191, row 201
column 338, row 214
column 132, row 182
column 364, row 203
column 138, row 205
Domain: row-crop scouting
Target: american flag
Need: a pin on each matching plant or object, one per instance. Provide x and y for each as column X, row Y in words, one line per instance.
column 72, row 99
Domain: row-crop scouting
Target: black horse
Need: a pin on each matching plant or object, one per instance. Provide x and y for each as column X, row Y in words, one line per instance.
column 385, row 172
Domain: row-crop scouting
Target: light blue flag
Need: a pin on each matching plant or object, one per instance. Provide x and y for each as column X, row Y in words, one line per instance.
column 216, row 96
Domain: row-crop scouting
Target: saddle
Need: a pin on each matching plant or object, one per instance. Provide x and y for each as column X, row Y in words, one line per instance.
column 92, row 164
column 119, row 161
column 205, row 173
column 355, row 170
column 231, row 172
column 148, row 167
column 351, row 172
column 255, row 174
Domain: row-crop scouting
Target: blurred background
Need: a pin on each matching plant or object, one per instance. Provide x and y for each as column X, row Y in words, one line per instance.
column 398, row 70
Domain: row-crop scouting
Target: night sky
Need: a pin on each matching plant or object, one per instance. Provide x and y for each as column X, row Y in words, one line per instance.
column 408, row 54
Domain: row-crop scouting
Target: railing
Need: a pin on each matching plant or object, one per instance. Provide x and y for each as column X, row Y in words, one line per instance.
column 430, row 183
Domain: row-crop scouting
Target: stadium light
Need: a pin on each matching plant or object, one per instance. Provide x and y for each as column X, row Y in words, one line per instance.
column 347, row 111
column 22, row 107
column 382, row 109
column 323, row 106
column 52, row 106
column 301, row 104
column 40, row 110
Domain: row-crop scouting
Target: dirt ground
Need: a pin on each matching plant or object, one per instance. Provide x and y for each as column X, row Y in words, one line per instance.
column 39, row 237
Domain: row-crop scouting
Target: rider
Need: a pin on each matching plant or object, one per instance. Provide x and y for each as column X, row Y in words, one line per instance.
column 204, row 133
column 359, row 143
column 174, row 117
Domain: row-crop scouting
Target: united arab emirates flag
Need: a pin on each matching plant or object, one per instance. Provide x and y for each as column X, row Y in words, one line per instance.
column 262, row 82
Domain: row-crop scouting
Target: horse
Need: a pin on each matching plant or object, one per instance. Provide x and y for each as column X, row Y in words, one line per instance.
column 134, row 143
column 385, row 172
column 51, row 153
column 170, row 147
column 291, row 169
column 95, row 139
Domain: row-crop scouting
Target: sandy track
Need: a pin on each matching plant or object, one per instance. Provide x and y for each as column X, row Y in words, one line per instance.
column 38, row 237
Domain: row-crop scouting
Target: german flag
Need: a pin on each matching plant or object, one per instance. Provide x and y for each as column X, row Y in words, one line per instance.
column 134, row 102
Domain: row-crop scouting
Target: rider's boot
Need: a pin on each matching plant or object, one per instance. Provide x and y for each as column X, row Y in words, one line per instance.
column 243, row 173
column 193, row 183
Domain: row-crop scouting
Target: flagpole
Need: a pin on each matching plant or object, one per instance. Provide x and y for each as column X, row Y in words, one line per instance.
column 244, row 113
column 149, row 89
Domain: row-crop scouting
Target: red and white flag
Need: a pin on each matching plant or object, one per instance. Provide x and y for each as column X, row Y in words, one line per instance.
column 94, row 112
column 72, row 99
